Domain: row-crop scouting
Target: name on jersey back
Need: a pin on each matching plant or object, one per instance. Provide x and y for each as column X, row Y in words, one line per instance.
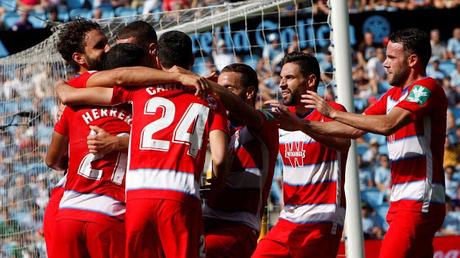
column 97, row 113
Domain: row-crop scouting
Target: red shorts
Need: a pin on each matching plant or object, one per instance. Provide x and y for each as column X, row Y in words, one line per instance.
column 287, row 239
column 410, row 235
column 229, row 239
column 89, row 239
column 49, row 219
column 163, row 228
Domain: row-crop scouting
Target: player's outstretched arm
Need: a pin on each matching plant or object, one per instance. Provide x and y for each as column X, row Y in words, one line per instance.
column 332, row 134
column 83, row 96
column 380, row 124
column 246, row 114
column 55, row 156
column 142, row 76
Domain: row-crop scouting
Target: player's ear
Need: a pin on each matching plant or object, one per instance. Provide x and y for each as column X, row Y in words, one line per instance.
column 412, row 59
column 152, row 49
column 158, row 63
column 250, row 93
column 311, row 81
column 79, row 58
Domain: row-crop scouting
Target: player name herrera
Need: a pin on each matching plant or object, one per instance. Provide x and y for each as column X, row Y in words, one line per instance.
column 97, row 113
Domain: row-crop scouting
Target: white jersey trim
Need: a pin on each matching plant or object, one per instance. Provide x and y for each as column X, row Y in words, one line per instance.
column 314, row 213
column 162, row 179
column 245, row 218
column 311, row 174
column 416, row 191
column 61, row 182
column 405, row 148
column 92, row 202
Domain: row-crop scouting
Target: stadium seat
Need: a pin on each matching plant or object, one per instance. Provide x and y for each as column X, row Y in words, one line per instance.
column 456, row 112
column 73, row 4
column 447, row 66
column 362, row 148
column 107, row 12
column 49, row 104
column 9, row 5
column 125, row 11
column 199, row 66
column 81, row 12
column 381, row 139
column 19, row 168
column 3, row 51
column 38, row 19
column 63, row 14
column 26, row 105
column 9, row 19
column 372, row 196
column 251, row 60
column 36, row 168
column 360, row 104
column 383, row 149
column 11, row 106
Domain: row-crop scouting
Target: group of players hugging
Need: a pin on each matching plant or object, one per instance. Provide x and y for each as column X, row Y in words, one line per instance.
column 134, row 133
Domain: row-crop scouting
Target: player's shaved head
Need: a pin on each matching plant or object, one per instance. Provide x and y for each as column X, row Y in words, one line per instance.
column 139, row 32
column 175, row 48
column 122, row 55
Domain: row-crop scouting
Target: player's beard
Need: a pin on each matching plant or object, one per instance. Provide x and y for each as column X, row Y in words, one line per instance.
column 94, row 63
column 291, row 99
column 399, row 78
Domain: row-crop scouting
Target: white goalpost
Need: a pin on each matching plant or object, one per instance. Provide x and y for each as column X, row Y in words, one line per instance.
column 256, row 32
column 342, row 60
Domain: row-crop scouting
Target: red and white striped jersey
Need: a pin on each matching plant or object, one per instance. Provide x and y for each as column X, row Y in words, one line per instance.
column 168, row 140
column 416, row 150
column 95, row 184
column 248, row 182
column 313, row 177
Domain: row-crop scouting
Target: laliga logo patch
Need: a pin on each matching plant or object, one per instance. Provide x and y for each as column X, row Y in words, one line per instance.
column 419, row 94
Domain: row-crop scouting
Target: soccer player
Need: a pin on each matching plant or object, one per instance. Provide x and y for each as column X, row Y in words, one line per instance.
column 310, row 225
column 91, row 211
column 143, row 35
column 235, row 204
column 412, row 115
column 168, row 142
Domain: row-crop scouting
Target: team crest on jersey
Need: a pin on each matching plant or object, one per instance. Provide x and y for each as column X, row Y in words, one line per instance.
column 295, row 153
column 419, row 94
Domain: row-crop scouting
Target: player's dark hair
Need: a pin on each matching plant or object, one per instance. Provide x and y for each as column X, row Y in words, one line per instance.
column 175, row 48
column 122, row 55
column 72, row 39
column 414, row 41
column 248, row 75
column 307, row 63
column 141, row 30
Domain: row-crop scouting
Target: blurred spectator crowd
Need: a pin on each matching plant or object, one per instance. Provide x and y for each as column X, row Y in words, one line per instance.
column 27, row 104
column 29, row 14
column 26, row 98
